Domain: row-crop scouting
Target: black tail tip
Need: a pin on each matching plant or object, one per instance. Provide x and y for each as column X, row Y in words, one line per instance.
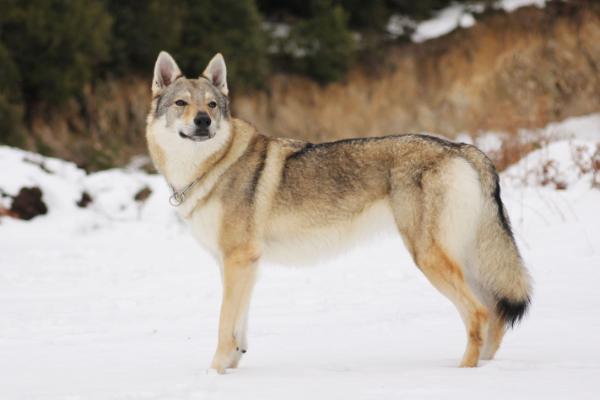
column 512, row 312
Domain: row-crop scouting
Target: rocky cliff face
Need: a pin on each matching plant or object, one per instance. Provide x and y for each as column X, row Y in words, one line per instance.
column 522, row 69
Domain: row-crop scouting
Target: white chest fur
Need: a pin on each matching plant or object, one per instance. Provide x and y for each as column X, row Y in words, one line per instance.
column 205, row 223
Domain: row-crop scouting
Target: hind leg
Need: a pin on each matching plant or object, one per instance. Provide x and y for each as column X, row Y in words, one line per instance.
column 496, row 330
column 447, row 276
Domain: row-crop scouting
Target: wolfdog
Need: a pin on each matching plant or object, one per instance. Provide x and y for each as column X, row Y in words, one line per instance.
column 248, row 196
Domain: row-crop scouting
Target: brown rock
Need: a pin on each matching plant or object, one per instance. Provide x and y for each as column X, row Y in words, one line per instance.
column 28, row 203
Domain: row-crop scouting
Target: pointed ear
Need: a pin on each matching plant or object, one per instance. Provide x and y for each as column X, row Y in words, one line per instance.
column 216, row 73
column 165, row 72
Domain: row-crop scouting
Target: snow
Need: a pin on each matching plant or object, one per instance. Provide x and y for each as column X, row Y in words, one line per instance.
column 466, row 20
column 399, row 25
column 448, row 19
column 116, row 301
column 444, row 22
column 277, row 30
column 582, row 127
column 512, row 5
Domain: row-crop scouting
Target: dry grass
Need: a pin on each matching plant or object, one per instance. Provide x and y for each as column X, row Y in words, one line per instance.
column 588, row 162
column 549, row 172
column 512, row 151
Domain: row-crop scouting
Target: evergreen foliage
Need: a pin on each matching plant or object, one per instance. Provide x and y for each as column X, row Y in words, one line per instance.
column 420, row 9
column 370, row 15
column 141, row 29
column 324, row 41
column 232, row 27
column 50, row 49
column 56, row 44
column 11, row 109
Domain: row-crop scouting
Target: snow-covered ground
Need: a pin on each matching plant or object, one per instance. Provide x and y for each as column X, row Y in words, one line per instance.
column 116, row 301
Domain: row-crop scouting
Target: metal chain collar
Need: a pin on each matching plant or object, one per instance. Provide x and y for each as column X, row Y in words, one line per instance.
column 178, row 197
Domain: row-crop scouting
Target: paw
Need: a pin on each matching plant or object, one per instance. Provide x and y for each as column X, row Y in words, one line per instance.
column 213, row 372
column 220, row 363
column 237, row 357
column 224, row 359
column 217, row 369
column 468, row 364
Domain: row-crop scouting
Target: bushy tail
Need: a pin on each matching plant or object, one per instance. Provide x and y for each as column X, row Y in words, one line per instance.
column 500, row 269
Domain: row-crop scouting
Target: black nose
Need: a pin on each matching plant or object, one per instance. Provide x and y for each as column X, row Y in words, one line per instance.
column 202, row 120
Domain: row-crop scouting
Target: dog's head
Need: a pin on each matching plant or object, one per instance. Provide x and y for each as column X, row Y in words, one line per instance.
column 189, row 109
column 189, row 119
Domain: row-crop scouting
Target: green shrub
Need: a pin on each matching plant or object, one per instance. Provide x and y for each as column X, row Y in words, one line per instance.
column 11, row 107
column 367, row 15
column 56, row 45
column 323, row 44
column 141, row 29
column 232, row 27
column 422, row 9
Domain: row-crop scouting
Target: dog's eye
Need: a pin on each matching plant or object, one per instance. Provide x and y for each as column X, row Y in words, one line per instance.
column 212, row 104
column 180, row 103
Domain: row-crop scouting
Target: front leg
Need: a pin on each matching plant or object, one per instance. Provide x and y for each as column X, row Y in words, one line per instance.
column 239, row 275
column 241, row 337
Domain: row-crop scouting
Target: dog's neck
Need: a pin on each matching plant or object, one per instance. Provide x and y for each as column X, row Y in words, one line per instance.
column 186, row 161
column 182, row 163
